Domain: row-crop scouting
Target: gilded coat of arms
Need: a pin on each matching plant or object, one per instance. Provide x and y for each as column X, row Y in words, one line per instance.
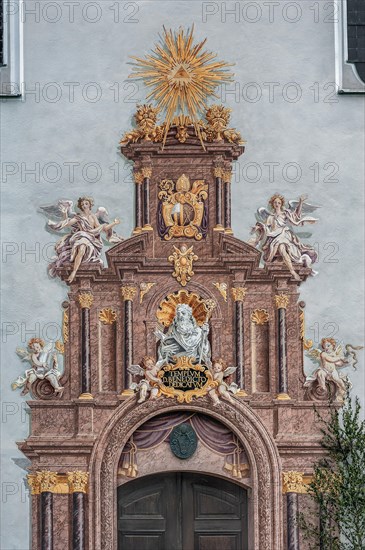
column 182, row 209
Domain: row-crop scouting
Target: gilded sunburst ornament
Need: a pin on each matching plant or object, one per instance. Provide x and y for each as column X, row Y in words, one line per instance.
column 181, row 75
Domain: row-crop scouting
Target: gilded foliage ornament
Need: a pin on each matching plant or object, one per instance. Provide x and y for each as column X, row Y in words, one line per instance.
column 78, row 481
column 281, row 301
column 85, row 300
column 183, row 259
column 143, row 289
column 128, row 293
column 222, row 288
column 239, row 293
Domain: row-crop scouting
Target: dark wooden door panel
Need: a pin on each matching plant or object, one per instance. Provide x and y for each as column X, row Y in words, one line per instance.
column 217, row 542
column 148, row 541
column 182, row 511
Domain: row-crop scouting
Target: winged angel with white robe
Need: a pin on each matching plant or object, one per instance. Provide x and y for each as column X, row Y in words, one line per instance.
column 274, row 233
column 84, row 243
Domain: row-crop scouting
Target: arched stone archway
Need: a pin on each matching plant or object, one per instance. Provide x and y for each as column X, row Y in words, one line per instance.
column 242, row 421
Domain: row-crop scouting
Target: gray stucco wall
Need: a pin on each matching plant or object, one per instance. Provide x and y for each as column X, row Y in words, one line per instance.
column 301, row 138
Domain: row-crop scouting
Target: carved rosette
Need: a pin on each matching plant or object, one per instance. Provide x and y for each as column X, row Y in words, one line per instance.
column 239, row 293
column 85, row 300
column 107, row 316
column 293, row 482
column 78, row 481
column 281, row 301
column 128, row 293
column 260, row 316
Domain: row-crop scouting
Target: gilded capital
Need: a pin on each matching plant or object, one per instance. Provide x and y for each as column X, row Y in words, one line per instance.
column 218, row 172
column 281, row 301
column 138, row 177
column 239, row 293
column 46, row 481
column 128, row 293
column 293, row 482
column 146, row 172
column 33, row 484
column 78, row 481
column 86, row 300
column 227, row 176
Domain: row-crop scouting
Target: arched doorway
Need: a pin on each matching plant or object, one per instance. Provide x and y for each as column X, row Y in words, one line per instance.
column 182, row 511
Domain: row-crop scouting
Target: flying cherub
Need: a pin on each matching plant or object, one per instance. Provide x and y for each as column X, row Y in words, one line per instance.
column 221, row 371
column 150, row 380
column 328, row 360
column 83, row 244
column 44, row 365
column 275, row 235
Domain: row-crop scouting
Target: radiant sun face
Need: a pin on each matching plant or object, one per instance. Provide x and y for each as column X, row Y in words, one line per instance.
column 181, row 75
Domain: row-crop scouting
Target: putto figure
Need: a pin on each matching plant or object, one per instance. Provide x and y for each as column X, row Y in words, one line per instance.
column 329, row 359
column 220, row 372
column 184, row 338
column 84, row 244
column 150, row 381
column 273, row 231
column 44, row 366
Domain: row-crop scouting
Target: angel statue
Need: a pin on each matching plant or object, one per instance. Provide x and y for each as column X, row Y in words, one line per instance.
column 274, row 233
column 84, row 243
column 222, row 389
column 44, row 365
column 150, row 380
column 328, row 360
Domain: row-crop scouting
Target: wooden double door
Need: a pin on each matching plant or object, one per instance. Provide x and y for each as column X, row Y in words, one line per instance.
column 182, row 511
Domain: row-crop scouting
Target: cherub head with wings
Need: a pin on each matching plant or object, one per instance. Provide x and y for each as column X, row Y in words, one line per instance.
column 219, row 364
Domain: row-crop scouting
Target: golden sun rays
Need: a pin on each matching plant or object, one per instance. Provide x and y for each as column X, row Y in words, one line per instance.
column 181, row 75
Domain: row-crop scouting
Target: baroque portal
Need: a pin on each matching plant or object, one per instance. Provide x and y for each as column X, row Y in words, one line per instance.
column 185, row 327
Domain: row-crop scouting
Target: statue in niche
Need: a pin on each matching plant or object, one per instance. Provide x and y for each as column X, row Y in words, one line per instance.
column 150, row 381
column 184, row 338
column 84, row 244
column 44, row 365
column 275, row 235
column 220, row 372
column 328, row 360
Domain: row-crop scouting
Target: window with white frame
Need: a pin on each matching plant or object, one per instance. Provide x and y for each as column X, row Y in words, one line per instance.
column 11, row 48
column 350, row 46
